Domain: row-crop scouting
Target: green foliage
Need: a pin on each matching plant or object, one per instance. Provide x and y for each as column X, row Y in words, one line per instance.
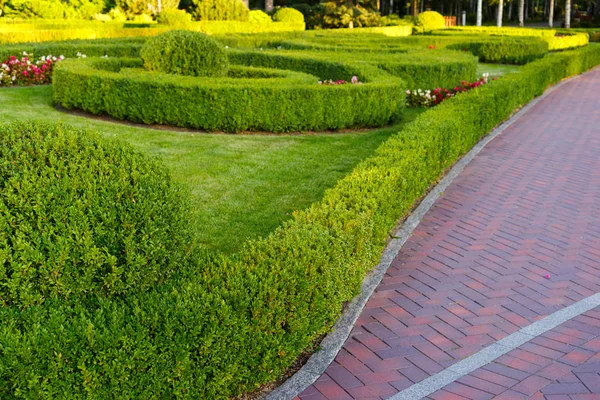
column 127, row 47
column 52, row 9
column 259, row 16
column 430, row 20
column 225, row 325
column 220, row 10
column 506, row 50
column 288, row 102
column 174, row 18
column 492, row 30
column 185, row 53
column 134, row 8
column 288, row 15
column 81, row 215
column 330, row 15
column 568, row 41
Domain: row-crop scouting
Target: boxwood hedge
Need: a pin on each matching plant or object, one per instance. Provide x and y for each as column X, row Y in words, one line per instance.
column 225, row 325
column 290, row 102
column 81, row 215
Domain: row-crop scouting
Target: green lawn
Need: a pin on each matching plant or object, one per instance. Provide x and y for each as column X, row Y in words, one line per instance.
column 244, row 186
column 496, row 70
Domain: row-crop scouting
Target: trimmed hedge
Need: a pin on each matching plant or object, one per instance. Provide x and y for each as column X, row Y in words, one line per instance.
column 430, row 20
column 291, row 102
column 81, row 215
column 185, row 53
column 506, row 50
column 12, row 34
column 288, row 16
column 492, row 30
column 228, row 324
column 568, row 41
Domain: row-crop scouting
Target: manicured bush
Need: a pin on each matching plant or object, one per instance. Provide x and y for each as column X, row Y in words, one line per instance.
column 492, row 30
column 185, row 53
column 174, row 17
column 220, row 10
column 288, row 16
column 430, row 20
column 126, row 47
column 289, row 102
column 259, row 16
column 80, row 215
column 226, row 325
column 133, row 8
column 568, row 41
column 506, row 50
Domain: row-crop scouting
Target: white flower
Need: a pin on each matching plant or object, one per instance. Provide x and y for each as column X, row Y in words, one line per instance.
column 14, row 77
column 53, row 58
column 61, row 57
column 226, row 47
column 24, row 53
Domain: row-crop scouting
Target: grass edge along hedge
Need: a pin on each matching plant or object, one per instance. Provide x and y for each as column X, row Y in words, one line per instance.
column 233, row 323
column 288, row 104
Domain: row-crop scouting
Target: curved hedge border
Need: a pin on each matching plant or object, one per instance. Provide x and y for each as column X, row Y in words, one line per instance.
column 230, row 324
column 416, row 68
column 569, row 41
column 506, row 50
column 290, row 102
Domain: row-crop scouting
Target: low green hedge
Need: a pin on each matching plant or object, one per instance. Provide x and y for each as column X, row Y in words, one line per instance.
column 568, row 41
column 492, row 30
column 125, row 47
column 81, row 215
column 291, row 102
column 14, row 34
column 226, row 325
column 506, row 50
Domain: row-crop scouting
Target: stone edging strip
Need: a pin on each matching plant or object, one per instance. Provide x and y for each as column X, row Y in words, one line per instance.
column 495, row 350
column 333, row 342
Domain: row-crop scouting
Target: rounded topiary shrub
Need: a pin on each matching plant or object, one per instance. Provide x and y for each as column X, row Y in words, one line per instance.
column 174, row 17
column 259, row 16
column 185, row 53
column 431, row 20
column 288, row 15
column 80, row 214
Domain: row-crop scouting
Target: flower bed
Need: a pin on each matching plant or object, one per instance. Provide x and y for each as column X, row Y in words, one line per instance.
column 28, row 71
column 430, row 98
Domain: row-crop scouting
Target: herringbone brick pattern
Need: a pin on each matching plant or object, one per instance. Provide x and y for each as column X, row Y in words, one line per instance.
column 563, row 363
column 514, row 238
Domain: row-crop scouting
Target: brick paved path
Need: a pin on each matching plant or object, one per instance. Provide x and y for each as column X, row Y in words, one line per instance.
column 514, row 238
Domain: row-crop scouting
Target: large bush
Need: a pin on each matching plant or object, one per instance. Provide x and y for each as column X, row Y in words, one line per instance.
column 174, row 18
column 220, row 10
column 81, row 215
column 52, row 9
column 147, row 7
column 430, row 20
column 185, row 53
column 259, row 16
column 288, row 15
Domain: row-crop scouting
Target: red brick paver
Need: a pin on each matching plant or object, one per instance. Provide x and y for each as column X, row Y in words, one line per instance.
column 514, row 238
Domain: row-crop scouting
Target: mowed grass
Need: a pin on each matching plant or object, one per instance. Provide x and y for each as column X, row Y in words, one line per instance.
column 243, row 186
column 496, row 70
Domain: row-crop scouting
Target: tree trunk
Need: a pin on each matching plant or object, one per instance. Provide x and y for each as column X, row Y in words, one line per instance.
column 568, row 14
column 521, row 13
column 500, row 6
column 268, row 5
column 479, row 12
column 510, row 3
column 415, row 9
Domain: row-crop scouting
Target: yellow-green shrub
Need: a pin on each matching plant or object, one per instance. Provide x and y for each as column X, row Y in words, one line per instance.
column 430, row 20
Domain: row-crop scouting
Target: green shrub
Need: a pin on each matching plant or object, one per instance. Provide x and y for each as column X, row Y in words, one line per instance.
column 185, row 53
column 506, row 50
column 289, row 102
column 568, row 41
column 430, row 20
column 226, row 325
column 220, row 10
column 174, row 17
column 288, row 15
column 127, row 47
column 144, row 7
column 81, row 215
column 259, row 16
column 492, row 30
